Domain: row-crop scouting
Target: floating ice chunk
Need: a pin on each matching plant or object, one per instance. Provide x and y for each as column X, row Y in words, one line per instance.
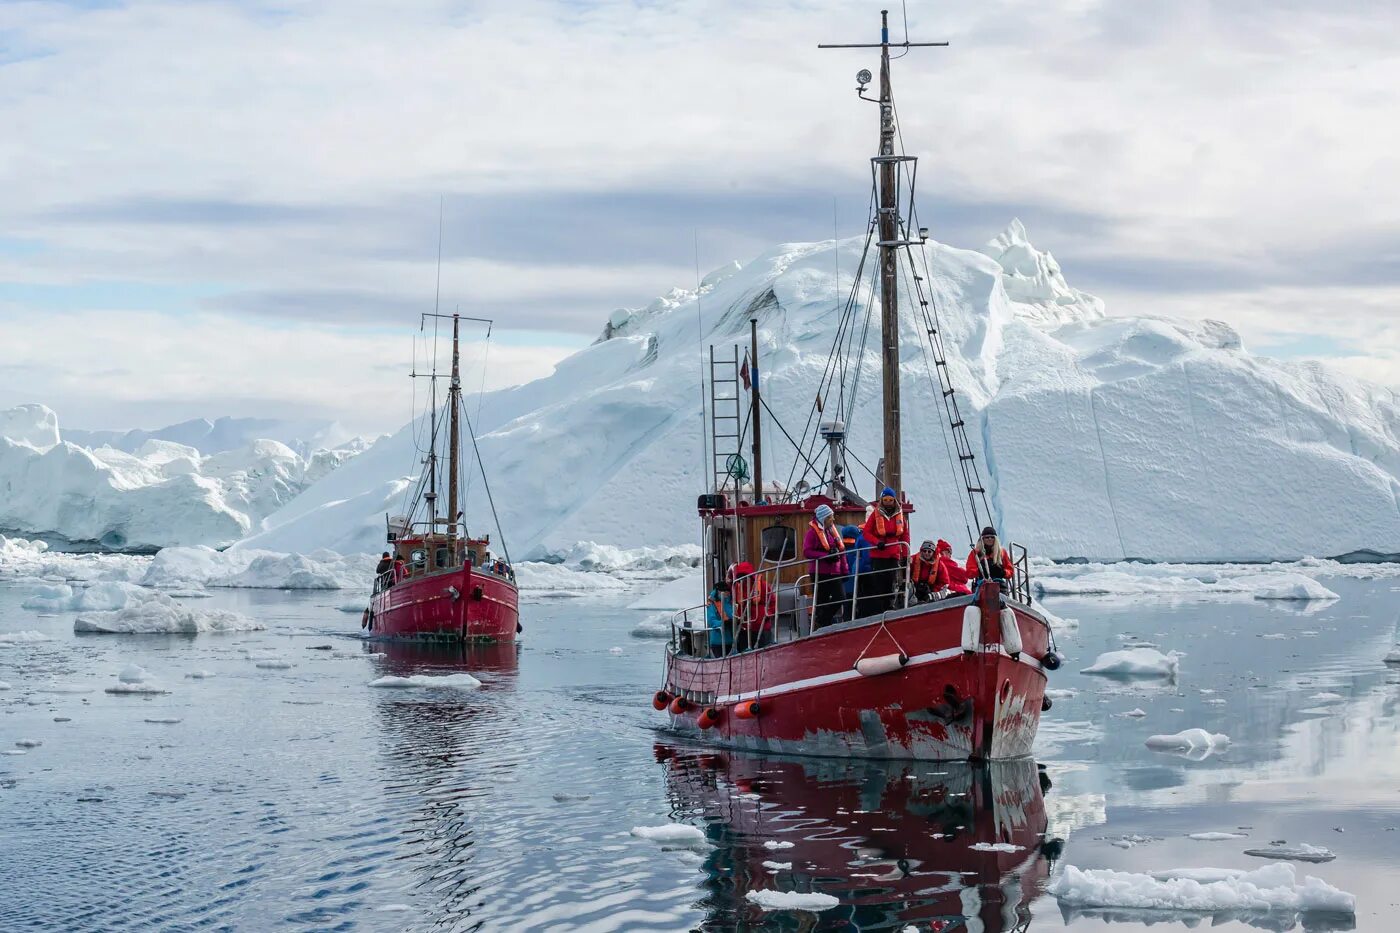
column 1215, row 836
column 792, row 900
column 1298, row 853
column 103, row 596
column 1131, row 714
column 9, row 639
column 274, row 664
column 1284, row 586
column 1326, row 697
column 777, row 844
column 777, row 866
column 1274, row 887
column 133, row 674
column 1196, row 744
column 28, row 743
column 357, row 606
column 146, row 687
column 682, row 593
column 614, row 650
column 1062, row 694
column 13, row 751
column 166, row 720
column 672, row 834
column 656, row 625
column 5, row 686
column 157, row 614
column 200, row 675
column 995, row 847
column 1136, row 662
column 1393, row 657
column 461, row 681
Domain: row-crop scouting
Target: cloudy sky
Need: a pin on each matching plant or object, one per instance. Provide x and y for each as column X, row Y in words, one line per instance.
column 232, row 207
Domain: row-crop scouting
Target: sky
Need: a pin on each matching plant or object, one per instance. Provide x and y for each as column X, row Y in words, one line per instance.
column 232, row 208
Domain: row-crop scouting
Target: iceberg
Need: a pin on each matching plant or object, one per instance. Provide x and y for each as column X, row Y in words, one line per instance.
column 1272, row 888
column 1103, row 438
column 1135, row 662
column 147, row 612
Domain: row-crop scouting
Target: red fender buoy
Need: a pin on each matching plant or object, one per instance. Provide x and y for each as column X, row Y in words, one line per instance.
column 679, row 705
column 709, row 718
column 661, row 700
column 747, row 709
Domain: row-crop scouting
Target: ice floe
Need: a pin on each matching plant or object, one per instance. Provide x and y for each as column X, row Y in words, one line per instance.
column 1272, row 888
column 1136, row 662
column 459, row 681
column 1302, row 852
column 680, row 834
column 10, row 639
column 148, row 612
column 792, row 900
column 255, row 569
column 135, row 679
column 1178, row 581
column 996, row 847
column 777, row 844
column 1216, row 836
column 656, row 625
column 1196, row 744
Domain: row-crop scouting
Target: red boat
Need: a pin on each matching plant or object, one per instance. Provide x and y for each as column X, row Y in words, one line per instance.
column 959, row 677
column 445, row 585
column 960, row 848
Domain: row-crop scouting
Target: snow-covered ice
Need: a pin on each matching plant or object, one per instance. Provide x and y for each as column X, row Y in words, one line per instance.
column 148, row 612
column 777, row 866
column 656, row 625
column 1274, row 887
column 1216, row 836
column 27, row 637
column 1196, row 744
column 681, row 834
column 1111, row 437
column 460, row 681
column 995, row 847
column 1136, row 662
column 792, row 900
column 1303, row 852
column 777, row 844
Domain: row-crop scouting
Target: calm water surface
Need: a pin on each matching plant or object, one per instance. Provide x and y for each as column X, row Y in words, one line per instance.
column 301, row 798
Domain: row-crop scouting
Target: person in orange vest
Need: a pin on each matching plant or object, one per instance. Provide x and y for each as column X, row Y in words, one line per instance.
column 989, row 559
column 927, row 575
column 957, row 574
column 755, row 606
column 887, row 533
column 400, row 569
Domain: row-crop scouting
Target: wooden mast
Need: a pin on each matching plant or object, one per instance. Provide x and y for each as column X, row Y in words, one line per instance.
column 454, row 399
column 889, row 269
column 755, row 416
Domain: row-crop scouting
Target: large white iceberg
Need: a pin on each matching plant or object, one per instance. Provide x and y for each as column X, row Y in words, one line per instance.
column 153, row 494
column 1208, row 890
column 1099, row 437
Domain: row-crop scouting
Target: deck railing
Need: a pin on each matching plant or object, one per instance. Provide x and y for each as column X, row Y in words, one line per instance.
column 691, row 630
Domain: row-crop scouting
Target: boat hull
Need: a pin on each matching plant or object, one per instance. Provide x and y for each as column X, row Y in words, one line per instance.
column 943, row 704
column 450, row 605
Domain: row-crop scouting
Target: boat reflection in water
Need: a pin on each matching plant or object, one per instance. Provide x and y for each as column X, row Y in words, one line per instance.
column 944, row 845
column 434, row 770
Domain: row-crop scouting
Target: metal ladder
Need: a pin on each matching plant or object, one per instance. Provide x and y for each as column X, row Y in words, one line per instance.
column 726, row 415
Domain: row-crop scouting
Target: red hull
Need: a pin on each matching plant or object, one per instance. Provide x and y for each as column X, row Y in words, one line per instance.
column 450, row 605
column 885, row 837
column 813, row 701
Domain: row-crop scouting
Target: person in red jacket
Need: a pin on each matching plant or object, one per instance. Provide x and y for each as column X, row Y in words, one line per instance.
column 956, row 573
column 989, row 559
column 887, row 532
column 755, row 606
column 926, row 574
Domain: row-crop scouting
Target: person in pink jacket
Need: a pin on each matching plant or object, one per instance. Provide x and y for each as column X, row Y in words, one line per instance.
column 824, row 547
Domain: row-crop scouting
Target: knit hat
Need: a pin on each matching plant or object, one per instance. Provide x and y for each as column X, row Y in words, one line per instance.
column 926, row 546
column 942, row 546
column 887, row 491
column 824, row 512
column 989, row 530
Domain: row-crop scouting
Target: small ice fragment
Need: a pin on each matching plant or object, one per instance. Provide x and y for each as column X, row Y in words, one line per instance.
column 995, row 847
column 1058, row 694
column 1298, row 853
column 140, row 687
column 1196, row 744
column 614, row 650
column 5, row 686
column 461, row 681
column 791, row 900
column 274, row 665
column 777, row 844
column 1136, row 662
column 12, row 751
column 1131, row 714
column 200, row 675
column 165, row 720
column 777, row 866
column 133, row 674
column 675, row 833
column 1216, row 837
column 565, row 798
column 1326, row 696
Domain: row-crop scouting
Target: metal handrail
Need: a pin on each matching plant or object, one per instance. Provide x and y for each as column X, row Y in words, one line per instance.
column 1019, row 589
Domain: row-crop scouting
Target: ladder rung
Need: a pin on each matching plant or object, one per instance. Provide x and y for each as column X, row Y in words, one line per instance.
column 975, row 489
column 966, row 457
column 957, row 424
column 947, row 392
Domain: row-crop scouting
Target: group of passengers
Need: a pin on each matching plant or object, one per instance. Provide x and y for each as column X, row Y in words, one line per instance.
column 393, row 568
column 856, row 572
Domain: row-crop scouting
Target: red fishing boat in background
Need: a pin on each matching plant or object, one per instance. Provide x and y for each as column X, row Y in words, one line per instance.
column 961, row 677
column 964, row 847
column 444, row 584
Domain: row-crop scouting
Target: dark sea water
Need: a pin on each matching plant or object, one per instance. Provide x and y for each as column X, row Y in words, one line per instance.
column 302, row 798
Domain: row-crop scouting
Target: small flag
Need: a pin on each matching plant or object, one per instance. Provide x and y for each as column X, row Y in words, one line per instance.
column 744, row 373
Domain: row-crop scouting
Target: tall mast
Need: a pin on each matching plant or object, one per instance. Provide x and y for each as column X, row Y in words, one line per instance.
column 755, row 415
column 454, row 399
column 887, row 175
column 889, row 277
column 431, row 496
